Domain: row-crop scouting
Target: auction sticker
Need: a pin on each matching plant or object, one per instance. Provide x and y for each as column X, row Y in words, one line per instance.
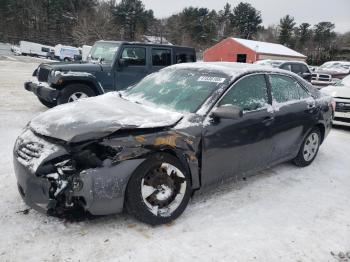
column 212, row 79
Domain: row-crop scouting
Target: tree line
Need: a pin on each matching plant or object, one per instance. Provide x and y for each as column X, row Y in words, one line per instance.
column 77, row 22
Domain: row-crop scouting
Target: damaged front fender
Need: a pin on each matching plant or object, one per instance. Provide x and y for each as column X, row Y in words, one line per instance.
column 94, row 175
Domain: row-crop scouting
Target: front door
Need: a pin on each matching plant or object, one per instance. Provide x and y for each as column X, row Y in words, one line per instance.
column 134, row 67
column 233, row 147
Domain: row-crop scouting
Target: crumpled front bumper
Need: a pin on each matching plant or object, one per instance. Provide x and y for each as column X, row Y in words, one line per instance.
column 42, row 91
column 103, row 188
column 34, row 190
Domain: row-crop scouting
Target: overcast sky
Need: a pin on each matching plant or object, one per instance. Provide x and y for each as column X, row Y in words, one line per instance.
column 311, row 11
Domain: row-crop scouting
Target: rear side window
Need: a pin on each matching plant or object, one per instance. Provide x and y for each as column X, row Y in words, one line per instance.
column 161, row 57
column 185, row 58
column 249, row 93
column 284, row 89
column 134, row 56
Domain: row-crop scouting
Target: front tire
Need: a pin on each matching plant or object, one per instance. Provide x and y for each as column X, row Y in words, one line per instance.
column 309, row 149
column 159, row 190
column 74, row 92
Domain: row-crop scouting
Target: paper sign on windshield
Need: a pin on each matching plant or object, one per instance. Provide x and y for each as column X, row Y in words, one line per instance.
column 212, row 79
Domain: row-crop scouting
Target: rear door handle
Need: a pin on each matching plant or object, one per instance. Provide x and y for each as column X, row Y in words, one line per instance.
column 268, row 120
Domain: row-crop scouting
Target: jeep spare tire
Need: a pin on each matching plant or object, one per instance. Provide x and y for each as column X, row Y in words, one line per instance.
column 74, row 92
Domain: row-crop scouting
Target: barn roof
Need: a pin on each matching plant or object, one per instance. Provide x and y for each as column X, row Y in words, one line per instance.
column 268, row 48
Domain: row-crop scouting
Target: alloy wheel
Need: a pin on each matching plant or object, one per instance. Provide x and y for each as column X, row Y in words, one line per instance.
column 163, row 189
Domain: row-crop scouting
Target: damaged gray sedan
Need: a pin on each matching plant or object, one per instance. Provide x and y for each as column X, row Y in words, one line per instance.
column 187, row 127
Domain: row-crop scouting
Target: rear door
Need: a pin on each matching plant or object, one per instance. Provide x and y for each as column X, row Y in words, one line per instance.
column 234, row 146
column 135, row 66
column 295, row 114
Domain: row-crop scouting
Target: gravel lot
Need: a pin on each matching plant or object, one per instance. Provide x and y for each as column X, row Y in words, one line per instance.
column 282, row 214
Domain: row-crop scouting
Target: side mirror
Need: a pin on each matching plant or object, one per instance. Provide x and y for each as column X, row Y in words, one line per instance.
column 123, row 62
column 228, row 112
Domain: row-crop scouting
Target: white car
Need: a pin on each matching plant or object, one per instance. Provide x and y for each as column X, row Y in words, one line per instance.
column 341, row 94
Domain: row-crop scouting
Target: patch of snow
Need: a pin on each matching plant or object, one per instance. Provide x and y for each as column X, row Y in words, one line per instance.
column 73, row 73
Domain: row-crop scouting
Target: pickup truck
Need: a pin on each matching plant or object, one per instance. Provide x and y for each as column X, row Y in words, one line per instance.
column 112, row 66
column 330, row 73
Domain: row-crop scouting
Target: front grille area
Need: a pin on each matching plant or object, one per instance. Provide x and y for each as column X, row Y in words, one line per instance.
column 29, row 150
column 43, row 74
column 321, row 77
column 342, row 107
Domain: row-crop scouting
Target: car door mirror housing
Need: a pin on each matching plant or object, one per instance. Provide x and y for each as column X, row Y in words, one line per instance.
column 228, row 112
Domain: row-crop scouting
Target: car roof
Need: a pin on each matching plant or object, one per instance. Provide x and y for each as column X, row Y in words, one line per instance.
column 231, row 69
column 145, row 44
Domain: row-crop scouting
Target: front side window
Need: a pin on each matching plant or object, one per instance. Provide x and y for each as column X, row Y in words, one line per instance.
column 134, row 56
column 161, row 57
column 249, row 93
column 285, row 89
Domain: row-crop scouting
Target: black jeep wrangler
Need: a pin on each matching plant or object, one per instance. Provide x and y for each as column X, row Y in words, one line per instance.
column 112, row 66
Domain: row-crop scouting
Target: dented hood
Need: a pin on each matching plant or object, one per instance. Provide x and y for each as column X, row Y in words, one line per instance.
column 98, row 117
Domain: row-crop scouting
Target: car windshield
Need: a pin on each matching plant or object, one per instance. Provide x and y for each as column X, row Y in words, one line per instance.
column 104, row 52
column 183, row 90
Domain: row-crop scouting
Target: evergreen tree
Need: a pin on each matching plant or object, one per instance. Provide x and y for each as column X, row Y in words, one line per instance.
column 286, row 31
column 304, row 33
column 199, row 26
column 225, row 28
column 324, row 34
column 246, row 20
column 133, row 18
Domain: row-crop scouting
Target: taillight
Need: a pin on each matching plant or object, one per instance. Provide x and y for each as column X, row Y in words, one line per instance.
column 333, row 104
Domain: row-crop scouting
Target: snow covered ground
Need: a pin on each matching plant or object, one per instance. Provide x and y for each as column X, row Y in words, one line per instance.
column 282, row 214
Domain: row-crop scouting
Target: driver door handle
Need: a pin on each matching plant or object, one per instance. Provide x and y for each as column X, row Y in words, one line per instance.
column 268, row 120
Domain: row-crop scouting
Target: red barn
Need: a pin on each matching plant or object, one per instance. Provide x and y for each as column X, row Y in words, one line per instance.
column 249, row 51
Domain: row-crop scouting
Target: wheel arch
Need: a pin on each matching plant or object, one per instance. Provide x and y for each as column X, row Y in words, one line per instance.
column 181, row 157
column 91, row 83
column 322, row 129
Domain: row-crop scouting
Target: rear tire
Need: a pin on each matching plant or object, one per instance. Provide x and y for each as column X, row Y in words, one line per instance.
column 159, row 190
column 47, row 103
column 309, row 149
column 74, row 92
